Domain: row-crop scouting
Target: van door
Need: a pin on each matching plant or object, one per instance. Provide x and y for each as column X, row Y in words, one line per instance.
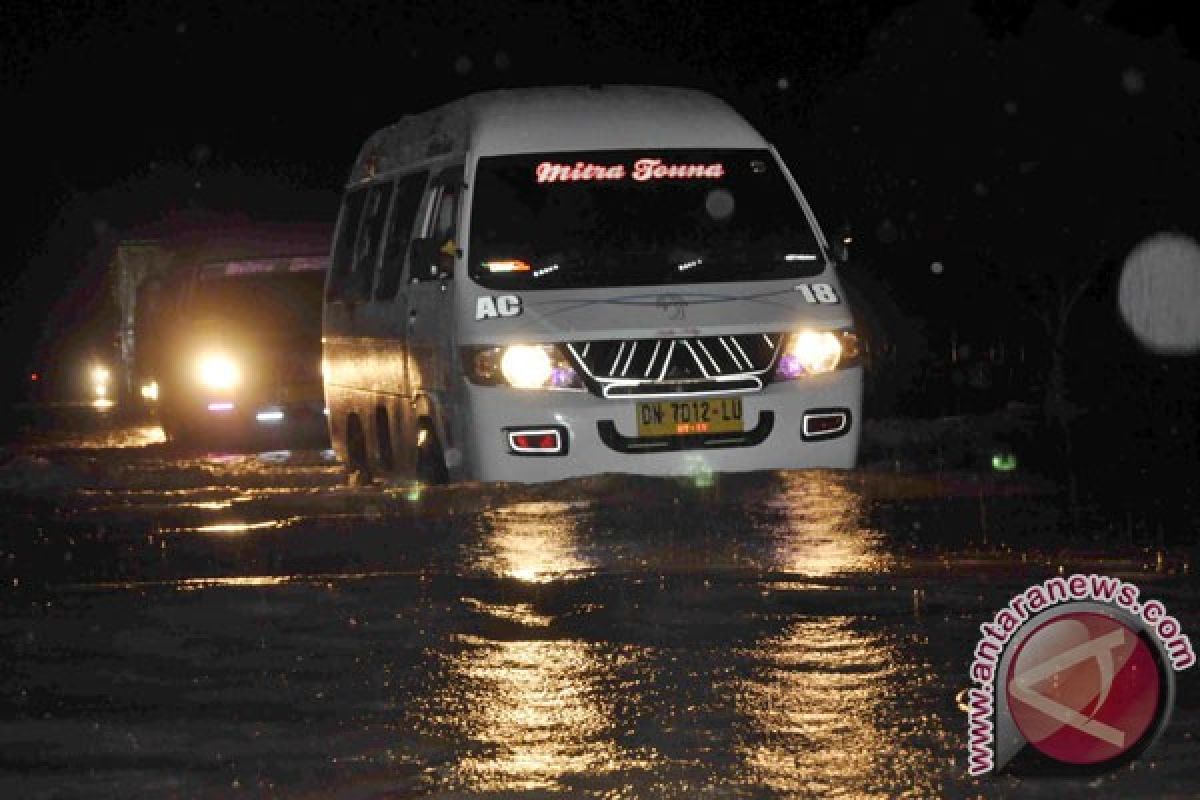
column 390, row 306
column 432, row 260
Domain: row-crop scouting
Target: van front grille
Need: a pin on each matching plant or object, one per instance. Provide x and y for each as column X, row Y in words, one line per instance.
column 686, row 365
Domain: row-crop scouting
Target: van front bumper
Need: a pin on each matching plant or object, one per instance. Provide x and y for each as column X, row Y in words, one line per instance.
column 602, row 434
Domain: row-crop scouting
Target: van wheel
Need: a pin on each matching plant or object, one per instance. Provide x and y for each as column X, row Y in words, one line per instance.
column 383, row 435
column 431, row 461
column 358, row 468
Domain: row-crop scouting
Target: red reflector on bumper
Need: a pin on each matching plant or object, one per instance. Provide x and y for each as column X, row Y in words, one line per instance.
column 824, row 423
column 537, row 441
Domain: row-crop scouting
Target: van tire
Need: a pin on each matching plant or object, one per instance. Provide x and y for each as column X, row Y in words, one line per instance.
column 431, row 461
column 383, row 438
column 358, row 467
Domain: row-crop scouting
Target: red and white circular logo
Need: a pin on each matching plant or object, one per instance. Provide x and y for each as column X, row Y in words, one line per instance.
column 1084, row 688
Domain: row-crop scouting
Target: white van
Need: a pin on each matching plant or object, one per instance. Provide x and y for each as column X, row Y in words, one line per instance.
column 528, row 285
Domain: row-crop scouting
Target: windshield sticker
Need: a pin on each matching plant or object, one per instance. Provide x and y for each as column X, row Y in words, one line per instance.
column 642, row 170
column 818, row 293
column 506, row 305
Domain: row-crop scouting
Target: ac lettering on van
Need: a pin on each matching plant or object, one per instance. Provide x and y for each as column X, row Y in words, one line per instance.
column 644, row 169
column 506, row 305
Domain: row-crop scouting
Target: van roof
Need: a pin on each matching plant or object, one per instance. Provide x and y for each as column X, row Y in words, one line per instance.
column 557, row 119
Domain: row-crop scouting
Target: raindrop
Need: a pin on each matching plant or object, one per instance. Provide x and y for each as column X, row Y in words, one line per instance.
column 1010, row 107
column 1159, row 291
column 181, row 28
column 463, row 65
column 783, row 84
column 719, row 204
column 1133, row 81
column 937, row 268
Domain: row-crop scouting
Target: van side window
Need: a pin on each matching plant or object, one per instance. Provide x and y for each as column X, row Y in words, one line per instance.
column 443, row 228
column 404, row 214
column 442, row 238
column 370, row 236
column 343, row 248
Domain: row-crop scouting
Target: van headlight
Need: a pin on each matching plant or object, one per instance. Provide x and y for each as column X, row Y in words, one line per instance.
column 526, row 366
column 816, row 352
column 521, row 366
column 218, row 372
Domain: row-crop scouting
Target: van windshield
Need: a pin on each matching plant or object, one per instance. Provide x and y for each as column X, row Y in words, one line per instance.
column 636, row 218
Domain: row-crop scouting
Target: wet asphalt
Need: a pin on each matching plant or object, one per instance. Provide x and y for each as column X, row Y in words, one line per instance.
column 213, row 624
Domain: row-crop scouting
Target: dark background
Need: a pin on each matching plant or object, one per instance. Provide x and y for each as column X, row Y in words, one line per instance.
column 991, row 160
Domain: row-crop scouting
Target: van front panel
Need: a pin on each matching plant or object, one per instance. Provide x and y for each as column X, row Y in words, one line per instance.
column 649, row 311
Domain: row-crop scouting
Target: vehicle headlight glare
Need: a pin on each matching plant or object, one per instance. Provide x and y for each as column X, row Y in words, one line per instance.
column 810, row 353
column 218, row 372
column 526, row 366
column 539, row 366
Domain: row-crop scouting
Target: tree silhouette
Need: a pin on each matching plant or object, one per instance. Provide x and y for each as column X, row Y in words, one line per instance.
column 1028, row 156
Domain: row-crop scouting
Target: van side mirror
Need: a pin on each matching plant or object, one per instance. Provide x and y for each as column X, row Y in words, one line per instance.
column 840, row 247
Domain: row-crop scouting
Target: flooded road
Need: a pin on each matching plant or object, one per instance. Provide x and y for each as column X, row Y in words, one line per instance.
column 207, row 625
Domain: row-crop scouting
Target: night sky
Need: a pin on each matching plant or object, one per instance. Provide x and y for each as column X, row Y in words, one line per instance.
column 999, row 140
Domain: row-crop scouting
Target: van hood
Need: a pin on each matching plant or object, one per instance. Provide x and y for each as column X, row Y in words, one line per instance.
column 557, row 315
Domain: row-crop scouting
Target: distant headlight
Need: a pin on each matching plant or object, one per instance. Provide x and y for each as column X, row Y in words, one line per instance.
column 218, row 371
column 816, row 352
column 100, row 377
column 521, row 366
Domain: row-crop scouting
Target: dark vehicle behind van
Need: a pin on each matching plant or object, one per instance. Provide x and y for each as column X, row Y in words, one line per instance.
column 238, row 361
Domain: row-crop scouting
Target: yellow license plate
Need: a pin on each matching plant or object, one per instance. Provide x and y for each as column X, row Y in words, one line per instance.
column 685, row 417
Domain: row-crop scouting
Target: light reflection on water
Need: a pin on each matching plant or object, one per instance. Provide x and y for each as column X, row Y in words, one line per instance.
column 195, row 584
column 823, row 718
column 534, row 712
column 535, row 542
column 821, row 532
column 236, row 526
column 533, row 708
column 819, row 706
column 807, row 700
